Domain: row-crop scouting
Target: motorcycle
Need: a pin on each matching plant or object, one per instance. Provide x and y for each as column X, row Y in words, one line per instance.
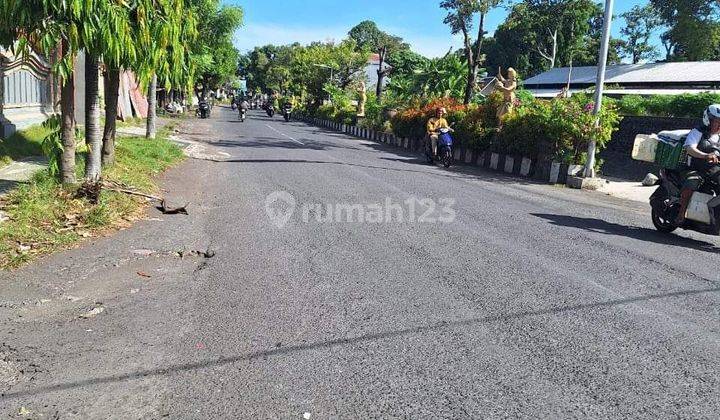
column 444, row 149
column 233, row 105
column 243, row 114
column 270, row 111
column 703, row 214
column 203, row 110
column 287, row 112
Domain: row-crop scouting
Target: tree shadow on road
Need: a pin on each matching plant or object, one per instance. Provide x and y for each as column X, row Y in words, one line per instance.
column 615, row 229
column 268, row 143
column 321, row 162
column 422, row 169
column 350, row 341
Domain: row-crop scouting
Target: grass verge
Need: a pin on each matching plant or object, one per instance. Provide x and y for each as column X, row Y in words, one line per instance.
column 44, row 216
column 22, row 144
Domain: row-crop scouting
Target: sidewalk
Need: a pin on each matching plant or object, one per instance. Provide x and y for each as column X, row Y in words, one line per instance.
column 19, row 172
column 629, row 190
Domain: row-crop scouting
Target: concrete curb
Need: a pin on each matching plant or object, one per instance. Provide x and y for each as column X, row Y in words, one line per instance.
column 546, row 171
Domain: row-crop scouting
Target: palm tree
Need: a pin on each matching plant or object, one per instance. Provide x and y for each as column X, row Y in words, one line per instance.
column 167, row 30
column 112, row 41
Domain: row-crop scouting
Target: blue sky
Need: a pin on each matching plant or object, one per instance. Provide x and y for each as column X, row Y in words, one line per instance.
column 419, row 22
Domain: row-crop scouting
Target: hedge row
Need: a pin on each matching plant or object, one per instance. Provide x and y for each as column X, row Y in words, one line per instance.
column 676, row 106
column 557, row 129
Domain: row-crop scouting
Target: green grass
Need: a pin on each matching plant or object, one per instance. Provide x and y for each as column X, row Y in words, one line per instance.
column 131, row 122
column 22, row 144
column 46, row 217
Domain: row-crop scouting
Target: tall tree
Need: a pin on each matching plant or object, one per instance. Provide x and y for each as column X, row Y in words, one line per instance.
column 169, row 30
column 110, row 42
column 540, row 34
column 640, row 24
column 694, row 30
column 405, row 62
column 460, row 19
column 213, row 52
column 369, row 37
column 312, row 66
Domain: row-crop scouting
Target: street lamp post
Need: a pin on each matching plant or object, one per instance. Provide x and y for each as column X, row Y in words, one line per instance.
column 602, row 65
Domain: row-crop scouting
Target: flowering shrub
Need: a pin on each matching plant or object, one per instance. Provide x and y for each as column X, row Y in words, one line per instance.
column 412, row 122
column 558, row 129
column 472, row 130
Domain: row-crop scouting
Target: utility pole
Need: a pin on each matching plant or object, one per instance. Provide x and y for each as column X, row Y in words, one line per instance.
column 600, row 84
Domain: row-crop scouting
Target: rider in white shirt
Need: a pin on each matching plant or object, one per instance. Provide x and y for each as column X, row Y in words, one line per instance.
column 700, row 144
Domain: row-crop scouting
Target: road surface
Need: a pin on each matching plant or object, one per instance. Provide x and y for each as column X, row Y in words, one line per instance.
column 510, row 299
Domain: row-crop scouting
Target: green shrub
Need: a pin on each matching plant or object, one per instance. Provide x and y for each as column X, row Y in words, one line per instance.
column 412, row 122
column 678, row 106
column 471, row 132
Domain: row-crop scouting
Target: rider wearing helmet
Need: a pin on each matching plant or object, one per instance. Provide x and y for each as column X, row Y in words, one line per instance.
column 703, row 160
column 434, row 125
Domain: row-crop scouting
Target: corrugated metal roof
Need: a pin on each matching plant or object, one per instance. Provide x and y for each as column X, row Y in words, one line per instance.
column 552, row 93
column 688, row 72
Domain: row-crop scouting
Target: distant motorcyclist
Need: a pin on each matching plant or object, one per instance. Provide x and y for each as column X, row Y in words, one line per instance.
column 434, row 125
column 701, row 146
column 243, row 107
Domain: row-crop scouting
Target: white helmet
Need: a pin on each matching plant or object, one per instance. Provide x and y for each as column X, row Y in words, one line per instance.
column 712, row 112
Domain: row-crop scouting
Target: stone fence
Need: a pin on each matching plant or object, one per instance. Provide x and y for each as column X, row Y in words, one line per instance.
column 617, row 160
column 545, row 171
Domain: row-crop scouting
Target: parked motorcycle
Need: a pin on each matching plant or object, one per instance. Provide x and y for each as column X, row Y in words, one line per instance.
column 703, row 214
column 287, row 112
column 203, row 110
column 444, row 149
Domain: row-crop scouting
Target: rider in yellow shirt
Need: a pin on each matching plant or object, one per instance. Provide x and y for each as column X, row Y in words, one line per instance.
column 434, row 125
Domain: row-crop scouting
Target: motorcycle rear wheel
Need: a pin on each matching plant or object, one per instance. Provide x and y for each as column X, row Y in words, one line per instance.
column 447, row 159
column 661, row 224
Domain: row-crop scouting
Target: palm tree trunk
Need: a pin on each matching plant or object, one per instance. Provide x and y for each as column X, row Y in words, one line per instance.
column 93, row 136
column 151, row 130
column 67, row 110
column 112, row 87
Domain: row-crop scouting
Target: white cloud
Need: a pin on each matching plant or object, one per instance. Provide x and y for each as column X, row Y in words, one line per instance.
column 256, row 34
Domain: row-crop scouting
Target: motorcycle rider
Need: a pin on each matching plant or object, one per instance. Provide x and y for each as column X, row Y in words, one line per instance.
column 703, row 160
column 244, row 106
column 434, row 125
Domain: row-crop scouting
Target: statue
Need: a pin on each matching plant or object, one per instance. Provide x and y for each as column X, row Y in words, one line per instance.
column 507, row 87
column 362, row 100
column 564, row 93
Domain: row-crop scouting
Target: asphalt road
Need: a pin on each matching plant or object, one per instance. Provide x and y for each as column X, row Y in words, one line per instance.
column 511, row 299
